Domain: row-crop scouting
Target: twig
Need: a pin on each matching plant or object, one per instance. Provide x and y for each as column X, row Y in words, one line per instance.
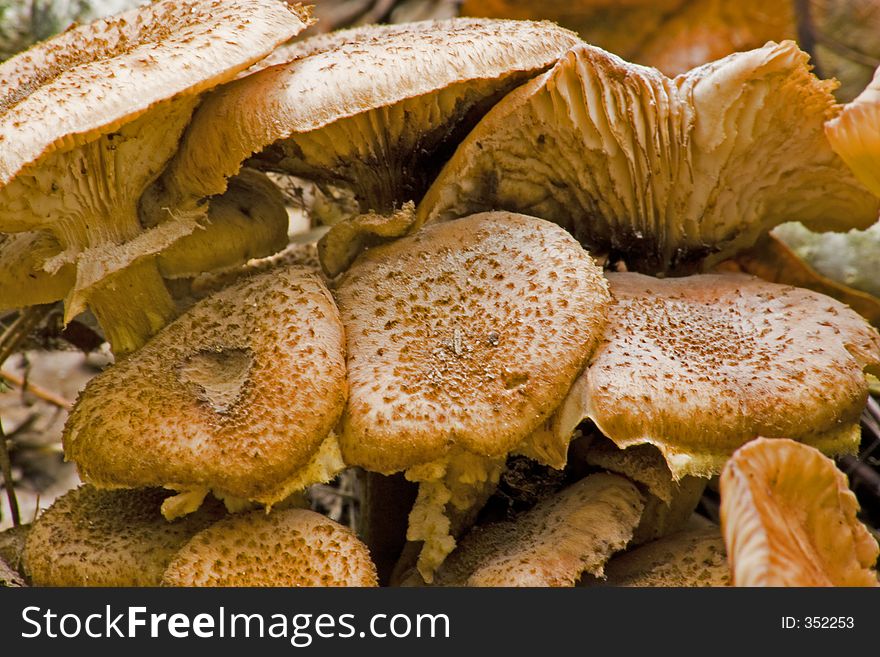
column 36, row 390
column 6, row 467
column 27, row 320
column 806, row 32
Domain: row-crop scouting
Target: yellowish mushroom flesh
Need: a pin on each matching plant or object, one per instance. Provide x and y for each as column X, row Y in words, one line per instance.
column 462, row 340
column 669, row 174
column 23, row 281
column 790, row 519
column 855, row 135
column 90, row 117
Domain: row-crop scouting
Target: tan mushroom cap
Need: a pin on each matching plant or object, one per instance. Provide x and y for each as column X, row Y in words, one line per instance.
column 575, row 531
column 290, row 547
column 466, row 334
column 23, row 281
column 855, row 135
column 694, row 557
column 12, row 542
column 375, row 109
column 698, row 366
column 670, row 174
column 91, row 537
column 238, row 395
column 90, row 117
column 790, row 519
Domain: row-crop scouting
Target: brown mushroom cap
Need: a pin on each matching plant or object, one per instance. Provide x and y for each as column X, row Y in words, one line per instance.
column 693, row 557
column 239, row 395
column 376, row 109
column 790, row 519
column 90, row 117
column 12, row 542
column 698, row 366
column 855, row 135
column 575, row 531
column 290, row 547
column 671, row 174
column 91, row 537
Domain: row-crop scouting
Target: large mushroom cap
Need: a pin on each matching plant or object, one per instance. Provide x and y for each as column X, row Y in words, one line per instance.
column 291, row 547
column 90, row 117
column 670, row 174
column 376, row 109
column 698, row 366
column 465, row 334
column 855, row 135
column 575, row 531
column 462, row 339
column 91, row 537
column 789, row 519
column 238, row 395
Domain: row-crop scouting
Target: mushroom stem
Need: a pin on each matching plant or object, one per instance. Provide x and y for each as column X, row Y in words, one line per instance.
column 132, row 306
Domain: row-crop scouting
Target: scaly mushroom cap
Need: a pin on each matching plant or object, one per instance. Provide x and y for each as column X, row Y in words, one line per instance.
column 670, row 174
column 291, row 547
column 575, row 531
column 466, row 334
column 376, row 109
column 855, row 135
column 462, row 340
column 91, row 537
column 90, row 117
column 693, row 557
column 789, row 519
column 238, row 395
column 698, row 366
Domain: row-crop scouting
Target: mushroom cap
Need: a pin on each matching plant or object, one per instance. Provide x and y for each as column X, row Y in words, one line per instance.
column 426, row 78
column 12, row 542
column 790, row 519
column 239, row 395
column 670, row 174
column 289, row 547
column 91, row 79
column 573, row 532
column 23, row 281
column 92, row 537
column 467, row 334
column 855, row 135
column 9, row 577
column 698, row 366
column 694, row 557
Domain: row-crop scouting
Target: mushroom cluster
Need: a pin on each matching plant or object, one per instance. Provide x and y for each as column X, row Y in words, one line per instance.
column 519, row 337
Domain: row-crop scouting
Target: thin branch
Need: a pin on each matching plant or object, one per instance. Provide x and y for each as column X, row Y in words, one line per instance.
column 28, row 319
column 36, row 390
column 806, row 32
column 6, row 467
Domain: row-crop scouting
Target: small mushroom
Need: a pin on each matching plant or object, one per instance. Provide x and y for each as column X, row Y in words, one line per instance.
column 693, row 557
column 23, row 281
column 698, row 366
column 376, row 109
column 289, row 547
column 88, row 120
column 790, row 519
column 462, row 340
column 239, row 395
column 92, row 537
column 574, row 532
column 670, row 175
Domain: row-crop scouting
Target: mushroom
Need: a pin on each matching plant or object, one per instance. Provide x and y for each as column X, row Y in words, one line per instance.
column 239, row 395
column 693, row 557
column 92, row 537
column 289, row 547
column 376, row 109
column 462, row 340
column 88, row 120
column 12, row 542
column 249, row 220
column 698, row 366
column 574, row 532
column 669, row 174
column 9, row 578
column 855, row 135
column 789, row 519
